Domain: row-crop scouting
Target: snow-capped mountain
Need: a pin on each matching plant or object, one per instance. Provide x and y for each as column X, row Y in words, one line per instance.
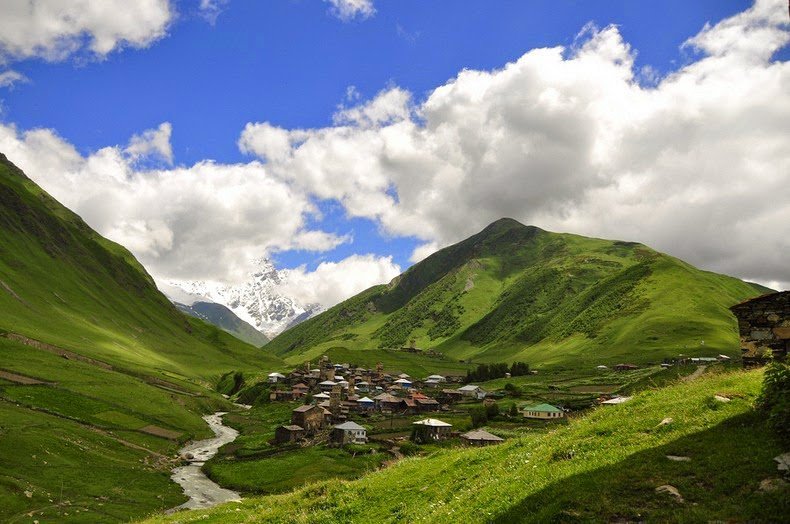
column 256, row 301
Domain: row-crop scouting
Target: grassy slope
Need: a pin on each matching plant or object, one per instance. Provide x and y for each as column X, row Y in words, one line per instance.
column 63, row 284
column 603, row 466
column 514, row 292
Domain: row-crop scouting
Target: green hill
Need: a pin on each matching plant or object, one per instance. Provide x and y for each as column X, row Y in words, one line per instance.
column 604, row 466
column 101, row 377
column 515, row 292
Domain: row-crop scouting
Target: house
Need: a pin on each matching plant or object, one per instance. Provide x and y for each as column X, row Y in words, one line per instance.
column 320, row 397
column 300, row 390
column 288, row 434
column 449, row 396
column 431, row 429
column 764, row 328
column 275, row 377
column 470, row 390
column 479, row 437
column 426, row 404
column 542, row 411
column 625, row 367
column 362, row 386
column 388, row 402
column 365, row 404
column 432, row 383
column 404, row 375
column 326, row 386
column 436, row 378
column 404, row 383
column 310, row 417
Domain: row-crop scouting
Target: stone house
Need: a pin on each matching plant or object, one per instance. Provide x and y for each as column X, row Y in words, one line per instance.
column 764, row 328
column 309, row 417
column 288, row 434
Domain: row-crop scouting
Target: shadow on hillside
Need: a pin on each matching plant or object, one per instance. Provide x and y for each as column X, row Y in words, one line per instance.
column 720, row 482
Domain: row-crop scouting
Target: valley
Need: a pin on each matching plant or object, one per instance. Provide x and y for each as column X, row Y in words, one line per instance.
column 561, row 354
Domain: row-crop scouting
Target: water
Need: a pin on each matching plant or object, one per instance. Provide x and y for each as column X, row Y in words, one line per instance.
column 201, row 490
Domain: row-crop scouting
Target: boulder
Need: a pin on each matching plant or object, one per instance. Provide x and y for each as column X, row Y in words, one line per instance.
column 672, row 491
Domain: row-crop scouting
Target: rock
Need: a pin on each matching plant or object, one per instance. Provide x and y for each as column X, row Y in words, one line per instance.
column 670, row 490
column 188, row 456
column 677, row 458
column 29, row 494
column 667, row 421
column 784, row 462
column 772, row 484
column 721, row 398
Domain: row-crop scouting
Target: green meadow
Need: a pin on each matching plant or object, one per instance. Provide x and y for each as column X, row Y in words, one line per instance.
column 603, row 466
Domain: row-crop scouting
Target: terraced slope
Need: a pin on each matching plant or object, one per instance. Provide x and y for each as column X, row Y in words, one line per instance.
column 515, row 292
column 605, row 466
column 99, row 373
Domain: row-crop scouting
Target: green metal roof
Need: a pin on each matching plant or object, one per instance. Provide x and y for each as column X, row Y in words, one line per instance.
column 545, row 408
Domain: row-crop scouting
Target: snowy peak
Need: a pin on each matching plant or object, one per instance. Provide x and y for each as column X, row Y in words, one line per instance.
column 257, row 300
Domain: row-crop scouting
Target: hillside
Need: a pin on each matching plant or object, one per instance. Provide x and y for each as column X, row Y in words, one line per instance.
column 99, row 372
column 222, row 317
column 515, row 292
column 604, row 466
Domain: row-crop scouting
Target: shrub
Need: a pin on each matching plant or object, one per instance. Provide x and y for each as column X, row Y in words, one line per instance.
column 774, row 399
column 492, row 410
column 409, row 448
column 479, row 416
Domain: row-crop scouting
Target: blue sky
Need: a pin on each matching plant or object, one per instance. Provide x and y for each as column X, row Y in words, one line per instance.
column 291, row 64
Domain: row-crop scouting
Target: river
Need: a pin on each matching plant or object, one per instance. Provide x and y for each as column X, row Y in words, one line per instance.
column 201, row 490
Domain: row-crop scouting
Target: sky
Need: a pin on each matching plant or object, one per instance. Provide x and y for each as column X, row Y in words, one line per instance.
column 349, row 139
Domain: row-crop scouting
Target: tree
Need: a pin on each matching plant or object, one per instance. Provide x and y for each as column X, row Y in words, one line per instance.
column 479, row 416
column 513, row 410
column 492, row 410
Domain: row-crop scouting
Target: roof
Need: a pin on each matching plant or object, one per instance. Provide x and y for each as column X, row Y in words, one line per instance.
column 761, row 298
column 426, row 401
column 545, row 408
column 403, row 381
column 470, row 387
column 350, row 425
column 327, row 383
column 365, row 399
column 293, row 428
column 321, row 395
column 479, row 434
column 300, row 386
column 435, row 377
column 616, row 400
column 302, row 409
column 386, row 397
column 404, row 375
column 436, row 423
column 278, row 375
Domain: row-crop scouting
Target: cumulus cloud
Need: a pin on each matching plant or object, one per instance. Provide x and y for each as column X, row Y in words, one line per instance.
column 694, row 163
column 207, row 221
column 347, row 10
column 152, row 143
column 55, row 29
column 332, row 282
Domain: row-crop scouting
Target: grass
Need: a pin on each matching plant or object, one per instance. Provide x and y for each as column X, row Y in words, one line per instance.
column 603, row 466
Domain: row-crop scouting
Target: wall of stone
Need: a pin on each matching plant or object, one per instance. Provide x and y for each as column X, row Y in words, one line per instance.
column 764, row 325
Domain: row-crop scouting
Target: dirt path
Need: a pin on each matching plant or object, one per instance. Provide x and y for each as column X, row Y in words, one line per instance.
column 697, row 373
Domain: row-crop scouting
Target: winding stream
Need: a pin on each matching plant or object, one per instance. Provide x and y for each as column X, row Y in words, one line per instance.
column 202, row 491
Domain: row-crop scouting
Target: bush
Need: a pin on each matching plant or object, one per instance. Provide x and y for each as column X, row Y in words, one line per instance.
column 409, row 448
column 492, row 410
column 479, row 416
column 774, row 399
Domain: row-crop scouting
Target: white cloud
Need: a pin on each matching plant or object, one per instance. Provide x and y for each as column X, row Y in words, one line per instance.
column 152, row 143
column 347, row 10
column 9, row 78
column 332, row 282
column 696, row 163
column 211, row 9
column 55, row 29
column 207, row 221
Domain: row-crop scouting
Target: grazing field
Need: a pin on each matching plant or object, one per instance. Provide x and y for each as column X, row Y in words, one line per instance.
column 604, row 466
